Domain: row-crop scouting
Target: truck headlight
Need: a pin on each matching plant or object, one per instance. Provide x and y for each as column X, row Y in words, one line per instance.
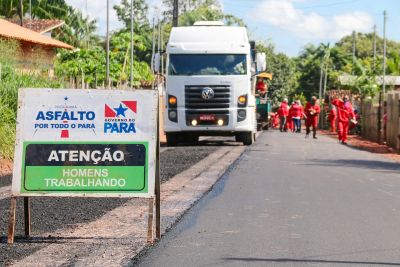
column 173, row 114
column 241, row 115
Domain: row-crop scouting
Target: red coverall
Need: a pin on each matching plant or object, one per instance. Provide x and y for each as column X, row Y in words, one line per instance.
column 276, row 120
column 345, row 113
column 296, row 113
column 261, row 87
column 283, row 112
column 289, row 121
column 332, row 119
column 312, row 119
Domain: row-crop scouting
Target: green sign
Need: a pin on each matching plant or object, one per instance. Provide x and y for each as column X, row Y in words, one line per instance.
column 85, row 167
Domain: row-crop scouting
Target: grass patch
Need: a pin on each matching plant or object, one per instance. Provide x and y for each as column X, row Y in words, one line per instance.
column 12, row 78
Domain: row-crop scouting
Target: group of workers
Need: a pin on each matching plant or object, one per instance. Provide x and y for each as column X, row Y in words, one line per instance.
column 341, row 114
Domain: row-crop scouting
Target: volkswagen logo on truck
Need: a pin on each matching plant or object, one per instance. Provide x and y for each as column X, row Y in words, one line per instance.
column 208, row 93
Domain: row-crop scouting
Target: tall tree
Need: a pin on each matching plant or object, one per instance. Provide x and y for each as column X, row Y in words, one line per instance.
column 187, row 6
column 140, row 9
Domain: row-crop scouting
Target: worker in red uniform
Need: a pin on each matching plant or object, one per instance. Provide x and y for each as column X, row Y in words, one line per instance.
column 312, row 111
column 296, row 111
column 275, row 120
column 283, row 112
column 261, row 87
column 332, row 118
column 345, row 115
column 289, row 120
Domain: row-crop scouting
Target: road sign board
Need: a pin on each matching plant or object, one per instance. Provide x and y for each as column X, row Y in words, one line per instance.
column 96, row 143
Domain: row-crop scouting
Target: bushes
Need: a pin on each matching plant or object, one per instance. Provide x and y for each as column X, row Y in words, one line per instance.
column 10, row 81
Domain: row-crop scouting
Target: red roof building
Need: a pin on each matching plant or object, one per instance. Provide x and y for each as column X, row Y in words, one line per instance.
column 35, row 47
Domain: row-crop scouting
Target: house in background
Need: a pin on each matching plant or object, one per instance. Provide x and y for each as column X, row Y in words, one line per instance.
column 42, row 26
column 37, row 48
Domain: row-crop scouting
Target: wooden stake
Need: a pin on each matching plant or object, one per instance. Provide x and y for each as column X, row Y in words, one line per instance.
column 27, row 216
column 150, row 220
column 157, row 185
column 11, row 222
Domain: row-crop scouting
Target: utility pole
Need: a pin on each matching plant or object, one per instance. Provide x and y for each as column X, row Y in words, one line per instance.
column 158, row 51
column 153, row 50
column 374, row 47
column 87, row 25
column 326, row 71
column 354, row 51
column 21, row 10
column 30, row 10
column 384, row 53
column 175, row 13
column 108, row 46
column 321, row 80
column 162, row 49
column 132, row 24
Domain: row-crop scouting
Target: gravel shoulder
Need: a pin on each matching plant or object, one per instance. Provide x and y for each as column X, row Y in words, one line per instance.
column 65, row 214
column 358, row 142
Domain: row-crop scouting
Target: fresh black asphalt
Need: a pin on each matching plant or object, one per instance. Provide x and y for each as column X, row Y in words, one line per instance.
column 51, row 214
column 292, row 201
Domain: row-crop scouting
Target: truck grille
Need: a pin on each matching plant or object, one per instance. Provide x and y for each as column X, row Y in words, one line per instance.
column 221, row 99
column 197, row 106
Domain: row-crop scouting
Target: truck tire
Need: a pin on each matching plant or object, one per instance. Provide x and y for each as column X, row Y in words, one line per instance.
column 266, row 127
column 191, row 138
column 248, row 138
column 172, row 139
column 239, row 137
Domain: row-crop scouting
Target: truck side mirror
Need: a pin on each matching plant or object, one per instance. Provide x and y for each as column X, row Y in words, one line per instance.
column 261, row 62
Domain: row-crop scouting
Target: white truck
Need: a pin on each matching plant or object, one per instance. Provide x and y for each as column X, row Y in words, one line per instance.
column 209, row 88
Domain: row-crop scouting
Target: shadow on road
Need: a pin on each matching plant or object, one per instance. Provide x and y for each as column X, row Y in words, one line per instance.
column 356, row 163
column 288, row 260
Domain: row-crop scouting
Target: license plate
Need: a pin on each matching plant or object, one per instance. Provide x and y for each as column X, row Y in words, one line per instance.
column 207, row 117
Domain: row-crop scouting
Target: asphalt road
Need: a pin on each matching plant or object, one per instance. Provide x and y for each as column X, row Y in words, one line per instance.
column 292, row 201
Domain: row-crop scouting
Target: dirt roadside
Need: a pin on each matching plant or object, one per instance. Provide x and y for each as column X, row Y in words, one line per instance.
column 358, row 142
column 5, row 167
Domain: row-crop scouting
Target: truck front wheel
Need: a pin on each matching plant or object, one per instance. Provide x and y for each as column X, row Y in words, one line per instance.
column 248, row 138
column 172, row 139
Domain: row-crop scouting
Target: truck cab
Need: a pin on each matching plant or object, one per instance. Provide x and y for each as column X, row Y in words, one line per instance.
column 209, row 84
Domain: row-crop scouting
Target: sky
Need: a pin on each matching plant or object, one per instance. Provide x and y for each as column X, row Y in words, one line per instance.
column 288, row 24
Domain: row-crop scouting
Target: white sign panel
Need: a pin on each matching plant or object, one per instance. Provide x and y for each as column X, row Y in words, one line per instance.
column 92, row 143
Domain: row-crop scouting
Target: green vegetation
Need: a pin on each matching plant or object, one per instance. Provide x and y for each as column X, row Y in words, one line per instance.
column 10, row 81
column 338, row 60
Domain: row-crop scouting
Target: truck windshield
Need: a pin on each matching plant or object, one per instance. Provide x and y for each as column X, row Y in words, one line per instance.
column 207, row 64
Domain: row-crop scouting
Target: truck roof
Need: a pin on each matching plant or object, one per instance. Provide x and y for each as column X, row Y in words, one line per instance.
column 209, row 34
column 208, row 38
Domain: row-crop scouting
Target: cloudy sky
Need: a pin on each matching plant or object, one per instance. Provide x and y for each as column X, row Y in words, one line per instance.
column 290, row 24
